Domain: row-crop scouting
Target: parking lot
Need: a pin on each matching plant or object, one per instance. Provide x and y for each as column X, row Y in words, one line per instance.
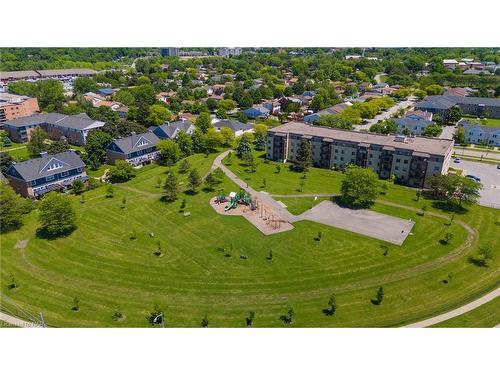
column 490, row 178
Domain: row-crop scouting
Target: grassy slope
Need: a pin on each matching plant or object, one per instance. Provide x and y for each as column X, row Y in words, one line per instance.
column 485, row 316
column 104, row 268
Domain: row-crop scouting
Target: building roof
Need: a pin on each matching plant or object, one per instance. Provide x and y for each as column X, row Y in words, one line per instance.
column 421, row 114
column 136, row 142
column 19, row 74
column 474, row 100
column 65, row 72
column 234, row 125
column 472, row 126
column 172, row 128
column 47, row 165
column 435, row 102
column 8, row 98
column 79, row 122
column 411, row 122
column 433, row 146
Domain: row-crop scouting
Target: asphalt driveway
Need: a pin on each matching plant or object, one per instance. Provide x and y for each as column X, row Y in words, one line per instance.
column 490, row 178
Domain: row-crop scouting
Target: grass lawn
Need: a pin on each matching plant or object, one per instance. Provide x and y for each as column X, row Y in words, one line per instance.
column 299, row 205
column 485, row 316
column 491, row 122
column 18, row 151
column 108, row 271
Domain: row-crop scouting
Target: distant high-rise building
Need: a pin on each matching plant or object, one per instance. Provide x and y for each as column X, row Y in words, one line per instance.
column 229, row 51
column 170, row 51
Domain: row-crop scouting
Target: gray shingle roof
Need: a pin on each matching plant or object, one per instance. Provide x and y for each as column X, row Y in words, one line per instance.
column 136, row 142
column 79, row 122
column 410, row 122
column 436, row 101
column 234, row 125
column 172, row 128
column 39, row 167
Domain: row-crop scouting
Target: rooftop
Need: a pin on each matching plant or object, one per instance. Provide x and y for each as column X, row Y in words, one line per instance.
column 429, row 145
column 79, row 122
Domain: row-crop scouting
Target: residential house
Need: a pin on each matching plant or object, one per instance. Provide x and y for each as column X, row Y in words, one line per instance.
column 450, row 63
column 274, row 106
column 166, row 97
column 480, row 135
column 412, row 125
column 257, row 111
column 106, row 92
column 170, row 130
column 237, row 127
column 416, row 114
column 334, row 110
column 137, row 149
column 38, row 176
column 73, row 128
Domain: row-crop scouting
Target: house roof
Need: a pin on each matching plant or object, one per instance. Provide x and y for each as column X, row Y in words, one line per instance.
column 422, row 114
column 135, row 142
column 41, row 167
column 433, row 146
column 234, row 125
column 78, row 122
column 410, row 122
column 172, row 128
column 435, row 102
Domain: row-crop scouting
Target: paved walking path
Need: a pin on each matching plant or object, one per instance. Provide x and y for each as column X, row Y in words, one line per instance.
column 461, row 310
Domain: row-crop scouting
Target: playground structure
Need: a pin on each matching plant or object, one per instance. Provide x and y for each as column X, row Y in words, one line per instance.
column 253, row 209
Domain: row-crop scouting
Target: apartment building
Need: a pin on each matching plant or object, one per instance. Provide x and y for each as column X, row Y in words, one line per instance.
column 410, row 159
column 38, row 176
column 15, row 106
column 74, row 128
column 480, row 134
column 137, row 149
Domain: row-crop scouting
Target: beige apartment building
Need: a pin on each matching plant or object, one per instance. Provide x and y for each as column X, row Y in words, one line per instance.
column 410, row 159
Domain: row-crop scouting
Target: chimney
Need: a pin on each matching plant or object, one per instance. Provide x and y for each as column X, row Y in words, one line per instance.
column 43, row 153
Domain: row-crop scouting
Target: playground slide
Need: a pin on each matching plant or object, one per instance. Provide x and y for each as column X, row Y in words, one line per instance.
column 231, row 205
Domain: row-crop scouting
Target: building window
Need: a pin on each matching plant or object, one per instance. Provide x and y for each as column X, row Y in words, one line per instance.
column 49, row 178
column 396, row 168
column 405, row 162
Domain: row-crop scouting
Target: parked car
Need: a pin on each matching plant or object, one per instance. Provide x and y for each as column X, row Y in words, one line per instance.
column 457, row 160
column 475, row 178
column 498, row 166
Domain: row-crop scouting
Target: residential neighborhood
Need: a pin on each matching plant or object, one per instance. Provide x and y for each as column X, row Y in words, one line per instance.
column 249, row 187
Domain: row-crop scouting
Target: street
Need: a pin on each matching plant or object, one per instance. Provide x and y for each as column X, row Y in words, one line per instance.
column 385, row 115
column 477, row 153
column 490, row 178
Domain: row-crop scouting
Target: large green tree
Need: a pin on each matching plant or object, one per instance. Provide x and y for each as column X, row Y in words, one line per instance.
column 158, row 114
column 203, row 122
column 360, row 186
column 82, row 85
column 303, row 159
column 37, row 142
column 57, row 215
column 121, row 172
column 171, row 188
column 170, row 151
column 50, row 94
column 95, row 148
column 11, row 208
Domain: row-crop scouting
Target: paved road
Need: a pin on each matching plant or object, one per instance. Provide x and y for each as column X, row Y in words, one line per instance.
column 477, row 153
column 453, row 313
column 385, row 115
column 490, row 178
column 448, row 132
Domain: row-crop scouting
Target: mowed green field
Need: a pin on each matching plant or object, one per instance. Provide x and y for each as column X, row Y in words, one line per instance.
column 491, row 122
column 108, row 271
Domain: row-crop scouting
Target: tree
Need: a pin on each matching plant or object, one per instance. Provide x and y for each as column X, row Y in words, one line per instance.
column 227, row 137
column 194, row 179
column 288, row 317
column 432, row 130
column 385, row 127
column 303, row 160
column 460, row 136
column 110, row 191
column 95, row 148
column 250, row 319
column 124, row 96
column 6, row 161
column 380, row 296
column 50, row 94
column 82, row 85
column 78, row 186
column 199, row 141
column 434, row 90
column 37, row 142
column 57, row 147
column 121, row 172
column 453, row 114
column 204, row 322
column 185, row 143
column 260, row 132
column 332, row 305
column 158, row 114
column 169, row 150
column 360, row 186
column 57, row 216
column 11, row 208
column 76, row 304
column 185, row 166
column 454, row 189
column 210, row 181
column 213, row 139
column 171, row 188
column 203, row 122
column 243, row 148
column 221, row 114
column 333, row 121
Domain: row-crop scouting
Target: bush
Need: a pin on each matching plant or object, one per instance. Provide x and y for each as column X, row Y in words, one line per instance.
column 121, row 172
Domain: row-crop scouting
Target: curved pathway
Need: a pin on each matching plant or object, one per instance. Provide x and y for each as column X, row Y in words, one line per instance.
column 461, row 310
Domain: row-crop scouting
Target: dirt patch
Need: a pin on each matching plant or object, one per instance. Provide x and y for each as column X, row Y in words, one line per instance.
column 263, row 218
column 21, row 244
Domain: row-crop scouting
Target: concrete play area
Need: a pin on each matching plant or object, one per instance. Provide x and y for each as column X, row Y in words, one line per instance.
column 264, row 218
column 369, row 223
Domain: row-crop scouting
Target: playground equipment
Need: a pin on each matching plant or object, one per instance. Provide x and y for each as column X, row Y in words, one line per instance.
column 221, row 198
column 243, row 197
